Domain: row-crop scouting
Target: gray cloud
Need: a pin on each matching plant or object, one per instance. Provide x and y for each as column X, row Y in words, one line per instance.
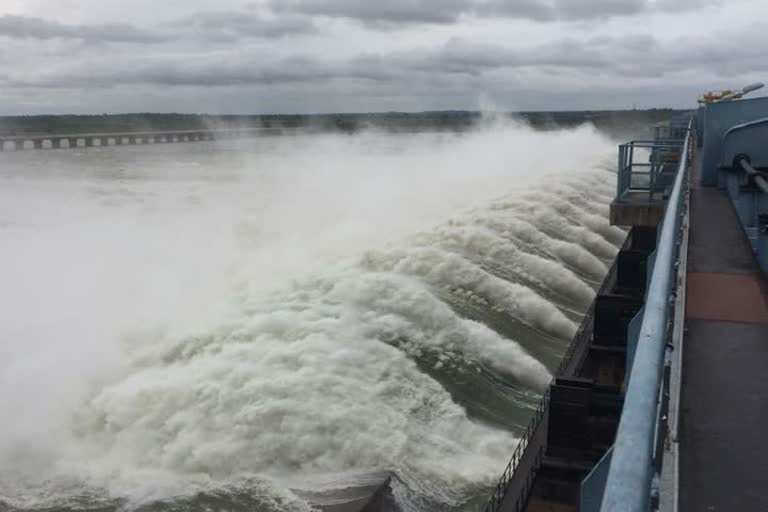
column 221, row 25
column 596, row 54
column 629, row 57
column 235, row 24
column 24, row 27
column 541, row 10
column 200, row 60
column 211, row 71
column 389, row 11
column 450, row 11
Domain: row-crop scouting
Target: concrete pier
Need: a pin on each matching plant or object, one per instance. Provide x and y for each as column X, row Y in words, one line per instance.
column 627, row 212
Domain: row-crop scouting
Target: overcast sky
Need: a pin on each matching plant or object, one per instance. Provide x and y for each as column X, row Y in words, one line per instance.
column 296, row 56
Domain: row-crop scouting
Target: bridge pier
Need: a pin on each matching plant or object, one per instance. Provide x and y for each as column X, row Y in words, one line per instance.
column 115, row 139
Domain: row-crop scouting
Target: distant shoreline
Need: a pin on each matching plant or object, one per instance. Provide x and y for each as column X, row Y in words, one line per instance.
column 458, row 120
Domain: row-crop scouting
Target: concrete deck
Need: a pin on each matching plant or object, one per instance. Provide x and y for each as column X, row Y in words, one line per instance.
column 724, row 401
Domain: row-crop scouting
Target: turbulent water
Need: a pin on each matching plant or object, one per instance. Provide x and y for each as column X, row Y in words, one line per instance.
column 239, row 326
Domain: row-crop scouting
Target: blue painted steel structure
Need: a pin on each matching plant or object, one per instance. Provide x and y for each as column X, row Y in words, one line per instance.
column 718, row 118
column 593, row 486
column 747, row 141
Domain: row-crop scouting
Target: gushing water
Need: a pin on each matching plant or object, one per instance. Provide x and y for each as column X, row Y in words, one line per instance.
column 255, row 321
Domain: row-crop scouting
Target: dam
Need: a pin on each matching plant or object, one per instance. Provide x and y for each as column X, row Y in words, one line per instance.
column 403, row 377
column 239, row 337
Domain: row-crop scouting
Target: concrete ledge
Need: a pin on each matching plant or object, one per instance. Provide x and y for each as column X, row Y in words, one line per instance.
column 630, row 213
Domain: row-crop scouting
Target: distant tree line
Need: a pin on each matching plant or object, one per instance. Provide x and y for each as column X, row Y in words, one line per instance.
column 449, row 120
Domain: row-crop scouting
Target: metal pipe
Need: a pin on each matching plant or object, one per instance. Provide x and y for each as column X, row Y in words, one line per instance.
column 756, row 176
column 746, row 90
column 628, row 485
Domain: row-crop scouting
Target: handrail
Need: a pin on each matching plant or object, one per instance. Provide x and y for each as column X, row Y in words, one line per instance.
column 628, row 166
column 506, row 477
column 629, row 477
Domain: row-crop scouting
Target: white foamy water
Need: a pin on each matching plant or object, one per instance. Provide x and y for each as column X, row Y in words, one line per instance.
column 278, row 312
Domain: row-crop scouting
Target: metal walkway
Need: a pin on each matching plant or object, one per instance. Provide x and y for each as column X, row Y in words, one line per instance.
column 723, row 439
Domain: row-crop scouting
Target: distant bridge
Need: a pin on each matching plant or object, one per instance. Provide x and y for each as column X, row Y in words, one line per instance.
column 76, row 140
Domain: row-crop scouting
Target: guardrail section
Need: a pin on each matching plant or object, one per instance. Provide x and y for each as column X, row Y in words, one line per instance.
column 628, row 485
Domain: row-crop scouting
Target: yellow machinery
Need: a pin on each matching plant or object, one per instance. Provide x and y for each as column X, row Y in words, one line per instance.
column 714, row 96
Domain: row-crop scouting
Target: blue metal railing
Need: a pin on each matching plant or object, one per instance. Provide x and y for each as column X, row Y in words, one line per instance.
column 628, row 485
column 643, row 165
column 676, row 129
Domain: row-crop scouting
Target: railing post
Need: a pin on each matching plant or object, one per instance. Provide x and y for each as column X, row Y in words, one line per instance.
column 619, row 178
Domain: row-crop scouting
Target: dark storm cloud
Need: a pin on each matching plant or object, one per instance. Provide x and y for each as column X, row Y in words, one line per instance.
column 223, row 25
column 234, row 24
column 580, row 10
column 394, row 12
column 388, row 11
column 24, row 27
column 223, row 70
column 595, row 54
column 563, row 9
